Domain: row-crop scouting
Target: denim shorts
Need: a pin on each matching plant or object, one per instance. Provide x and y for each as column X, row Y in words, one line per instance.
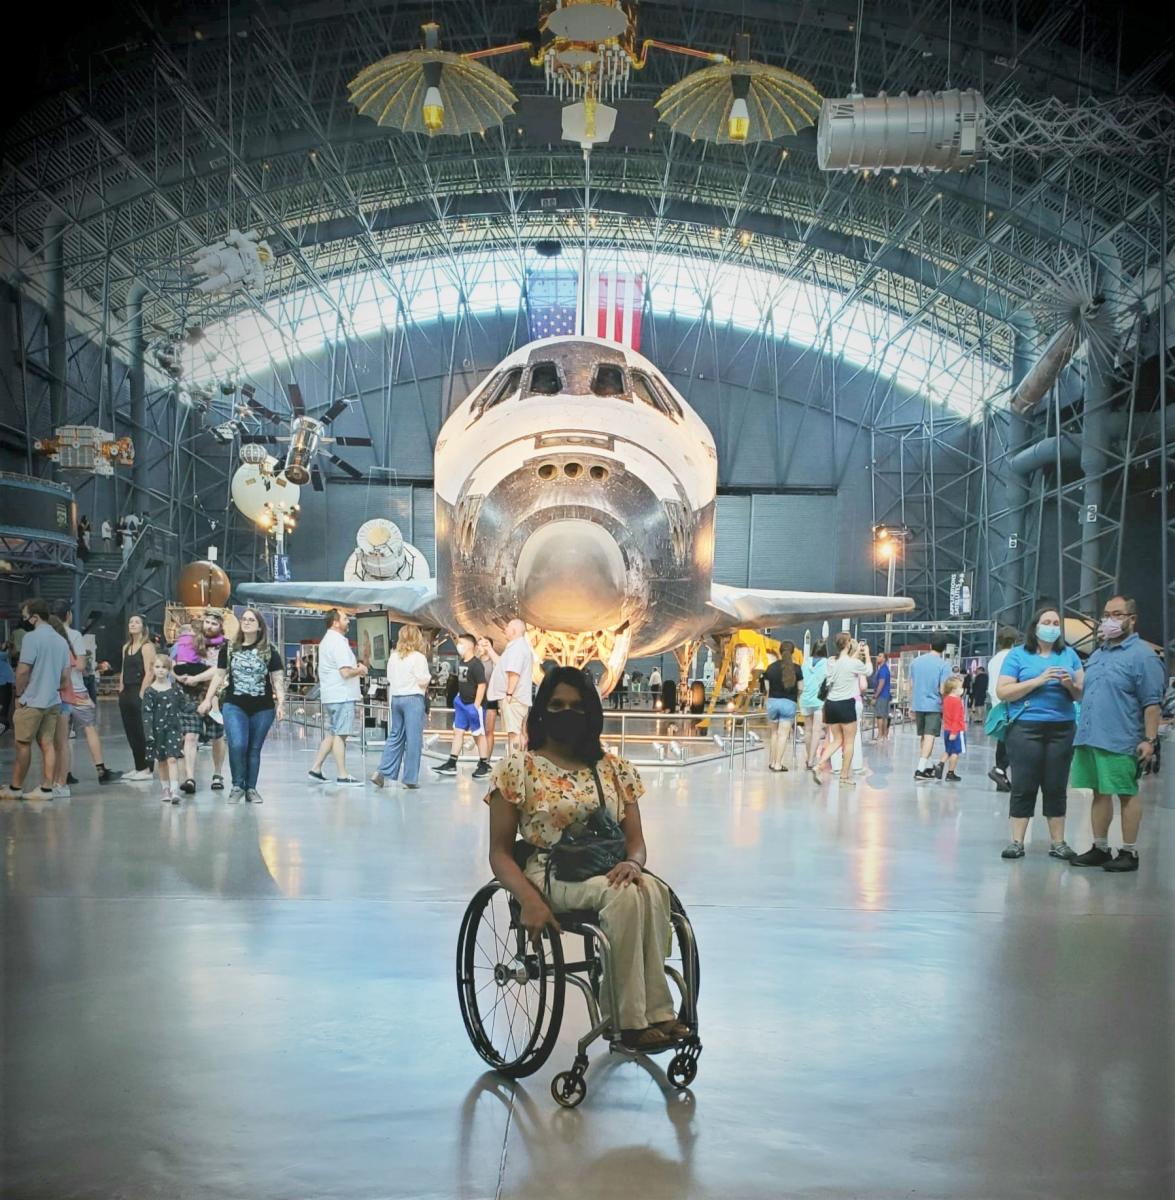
column 781, row 710
column 339, row 718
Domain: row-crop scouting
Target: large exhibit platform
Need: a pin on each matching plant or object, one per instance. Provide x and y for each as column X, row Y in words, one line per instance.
column 251, row 1003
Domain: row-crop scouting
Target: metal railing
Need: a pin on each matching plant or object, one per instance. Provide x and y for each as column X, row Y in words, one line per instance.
column 648, row 739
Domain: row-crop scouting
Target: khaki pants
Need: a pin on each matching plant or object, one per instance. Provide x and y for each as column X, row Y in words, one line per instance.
column 636, row 919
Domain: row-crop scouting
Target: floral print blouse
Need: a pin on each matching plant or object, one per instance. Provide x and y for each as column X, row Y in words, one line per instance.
column 549, row 797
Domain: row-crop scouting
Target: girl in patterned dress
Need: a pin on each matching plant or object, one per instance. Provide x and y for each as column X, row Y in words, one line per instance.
column 163, row 708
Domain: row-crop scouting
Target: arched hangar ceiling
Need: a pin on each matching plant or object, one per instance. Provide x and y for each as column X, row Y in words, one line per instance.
column 160, row 128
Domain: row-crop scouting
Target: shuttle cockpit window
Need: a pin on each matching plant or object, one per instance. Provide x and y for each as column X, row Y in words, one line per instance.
column 544, row 379
column 500, row 388
column 648, row 390
column 608, row 380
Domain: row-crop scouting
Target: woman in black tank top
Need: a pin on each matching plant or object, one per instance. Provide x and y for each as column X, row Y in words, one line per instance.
column 138, row 655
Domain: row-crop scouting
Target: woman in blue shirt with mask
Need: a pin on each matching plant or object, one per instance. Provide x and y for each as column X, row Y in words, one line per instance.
column 1040, row 683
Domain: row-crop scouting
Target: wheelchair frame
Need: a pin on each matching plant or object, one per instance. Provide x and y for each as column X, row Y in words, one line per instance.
column 529, row 965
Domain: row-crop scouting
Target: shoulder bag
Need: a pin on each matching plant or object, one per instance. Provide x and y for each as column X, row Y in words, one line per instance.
column 589, row 847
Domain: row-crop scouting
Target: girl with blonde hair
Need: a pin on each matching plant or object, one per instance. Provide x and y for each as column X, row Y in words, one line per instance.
column 408, row 680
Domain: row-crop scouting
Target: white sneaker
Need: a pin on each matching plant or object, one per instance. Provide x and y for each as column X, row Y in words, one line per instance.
column 61, row 792
column 138, row 776
column 37, row 793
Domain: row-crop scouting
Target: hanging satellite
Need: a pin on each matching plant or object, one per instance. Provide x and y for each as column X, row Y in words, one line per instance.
column 433, row 91
column 741, row 101
column 307, row 437
column 86, row 448
column 381, row 553
column 1074, row 302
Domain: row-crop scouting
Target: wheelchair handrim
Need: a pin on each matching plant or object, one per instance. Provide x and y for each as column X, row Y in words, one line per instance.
column 515, row 1052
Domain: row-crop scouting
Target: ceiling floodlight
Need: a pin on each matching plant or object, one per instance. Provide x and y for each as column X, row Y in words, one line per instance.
column 932, row 131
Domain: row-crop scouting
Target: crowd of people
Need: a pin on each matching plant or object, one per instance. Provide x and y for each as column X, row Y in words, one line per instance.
column 1057, row 721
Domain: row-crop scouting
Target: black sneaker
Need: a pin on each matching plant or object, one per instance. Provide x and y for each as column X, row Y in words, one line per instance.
column 69, row 779
column 923, row 774
column 1095, row 856
column 106, row 775
column 998, row 777
column 951, row 777
column 1003, row 787
column 1013, row 850
column 188, row 787
column 218, row 783
column 317, row 776
column 1127, row 860
column 939, row 768
column 482, row 769
column 447, row 768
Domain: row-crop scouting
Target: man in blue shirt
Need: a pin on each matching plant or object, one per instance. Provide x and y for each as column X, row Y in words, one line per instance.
column 882, row 692
column 927, row 675
column 1118, row 730
column 41, row 674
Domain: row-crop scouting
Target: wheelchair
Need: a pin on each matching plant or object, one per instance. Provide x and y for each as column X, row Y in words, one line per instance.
column 512, row 993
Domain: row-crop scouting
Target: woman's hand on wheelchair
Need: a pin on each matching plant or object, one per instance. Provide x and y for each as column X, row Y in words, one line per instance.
column 535, row 917
column 624, row 873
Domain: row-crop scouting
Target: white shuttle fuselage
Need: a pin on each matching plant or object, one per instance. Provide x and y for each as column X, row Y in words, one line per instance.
column 575, row 488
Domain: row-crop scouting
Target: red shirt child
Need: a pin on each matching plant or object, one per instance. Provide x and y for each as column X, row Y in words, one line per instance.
column 954, row 715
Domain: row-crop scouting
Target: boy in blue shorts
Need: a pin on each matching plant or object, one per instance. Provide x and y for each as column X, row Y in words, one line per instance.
column 468, row 716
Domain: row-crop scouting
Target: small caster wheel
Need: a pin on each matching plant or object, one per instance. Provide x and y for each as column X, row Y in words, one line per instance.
column 568, row 1088
column 682, row 1070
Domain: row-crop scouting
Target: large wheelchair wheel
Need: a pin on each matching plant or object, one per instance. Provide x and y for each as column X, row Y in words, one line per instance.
column 683, row 959
column 511, row 993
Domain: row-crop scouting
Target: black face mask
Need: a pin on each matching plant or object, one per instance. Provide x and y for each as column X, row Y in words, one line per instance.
column 27, row 626
column 566, row 726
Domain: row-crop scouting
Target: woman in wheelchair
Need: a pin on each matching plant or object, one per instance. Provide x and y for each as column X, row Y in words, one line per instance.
column 538, row 793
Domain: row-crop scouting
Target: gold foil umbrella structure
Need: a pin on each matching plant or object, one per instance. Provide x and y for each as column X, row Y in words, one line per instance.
column 432, row 91
column 739, row 102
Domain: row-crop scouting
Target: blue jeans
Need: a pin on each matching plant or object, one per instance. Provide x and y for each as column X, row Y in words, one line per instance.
column 405, row 739
column 246, row 735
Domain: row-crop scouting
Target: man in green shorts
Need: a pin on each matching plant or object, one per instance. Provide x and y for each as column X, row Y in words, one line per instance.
column 1118, row 730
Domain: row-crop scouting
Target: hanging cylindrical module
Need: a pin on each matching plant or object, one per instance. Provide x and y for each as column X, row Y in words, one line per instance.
column 932, row 131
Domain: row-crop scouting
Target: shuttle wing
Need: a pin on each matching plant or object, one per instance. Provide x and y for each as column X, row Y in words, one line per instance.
column 763, row 608
column 413, row 600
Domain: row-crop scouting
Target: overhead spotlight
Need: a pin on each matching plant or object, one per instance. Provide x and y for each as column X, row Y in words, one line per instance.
column 305, row 433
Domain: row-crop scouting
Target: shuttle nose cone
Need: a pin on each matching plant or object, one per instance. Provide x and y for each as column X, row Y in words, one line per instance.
column 570, row 577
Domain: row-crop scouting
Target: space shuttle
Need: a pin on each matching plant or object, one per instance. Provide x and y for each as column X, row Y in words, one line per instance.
column 575, row 488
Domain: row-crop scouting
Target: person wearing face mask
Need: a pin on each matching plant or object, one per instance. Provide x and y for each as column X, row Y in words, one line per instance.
column 1118, row 731
column 1040, row 682
column 539, row 792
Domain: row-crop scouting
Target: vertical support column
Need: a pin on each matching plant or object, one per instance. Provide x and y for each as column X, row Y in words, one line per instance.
column 137, row 379
column 1010, row 495
column 55, row 318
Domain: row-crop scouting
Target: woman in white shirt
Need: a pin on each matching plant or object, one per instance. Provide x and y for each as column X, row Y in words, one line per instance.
column 840, row 707
column 408, row 677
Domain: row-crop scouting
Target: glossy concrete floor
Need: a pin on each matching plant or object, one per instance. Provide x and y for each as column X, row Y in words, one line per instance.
column 259, row 1002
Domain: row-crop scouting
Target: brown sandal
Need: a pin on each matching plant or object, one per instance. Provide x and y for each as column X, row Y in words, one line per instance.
column 674, row 1029
column 643, row 1039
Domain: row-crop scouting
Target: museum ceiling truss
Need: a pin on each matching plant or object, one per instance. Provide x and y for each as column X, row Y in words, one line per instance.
column 178, row 133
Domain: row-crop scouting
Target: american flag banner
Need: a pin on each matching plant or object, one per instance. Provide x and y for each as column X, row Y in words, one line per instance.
column 612, row 305
column 552, row 301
